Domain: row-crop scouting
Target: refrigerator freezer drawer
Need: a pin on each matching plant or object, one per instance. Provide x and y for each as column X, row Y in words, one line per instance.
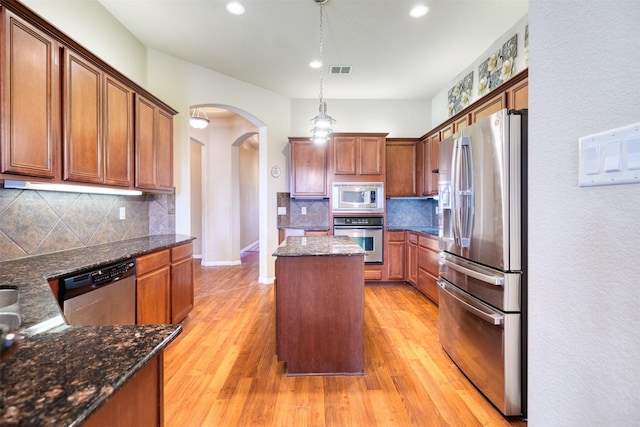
column 484, row 343
column 497, row 288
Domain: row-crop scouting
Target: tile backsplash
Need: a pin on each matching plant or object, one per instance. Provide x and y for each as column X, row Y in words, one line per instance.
column 400, row 212
column 317, row 215
column 412, row 212
column 38, row 222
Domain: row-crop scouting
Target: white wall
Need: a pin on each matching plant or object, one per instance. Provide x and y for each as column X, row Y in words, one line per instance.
column 91, row 25
column 406, row 118
column 182, row 84
column 249, row 195
column 439, row 110
column 584, row 243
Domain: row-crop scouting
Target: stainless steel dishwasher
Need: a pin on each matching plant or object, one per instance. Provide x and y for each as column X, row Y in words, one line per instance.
column 102, row 296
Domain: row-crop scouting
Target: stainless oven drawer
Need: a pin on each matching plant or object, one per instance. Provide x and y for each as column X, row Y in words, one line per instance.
column 484, row 343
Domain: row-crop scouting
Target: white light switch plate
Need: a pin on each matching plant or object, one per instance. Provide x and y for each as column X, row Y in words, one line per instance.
column 282, row 210
column 123, row 213
column 610, row 158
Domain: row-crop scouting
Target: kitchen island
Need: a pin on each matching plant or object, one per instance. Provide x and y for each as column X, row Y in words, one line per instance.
column 319, row 298
column 57, row 374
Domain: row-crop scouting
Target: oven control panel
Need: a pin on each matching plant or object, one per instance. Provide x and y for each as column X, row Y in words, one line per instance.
column 371, row 221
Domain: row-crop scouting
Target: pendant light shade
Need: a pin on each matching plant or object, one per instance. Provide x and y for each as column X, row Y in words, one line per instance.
column 322, row 122
column 198, row 119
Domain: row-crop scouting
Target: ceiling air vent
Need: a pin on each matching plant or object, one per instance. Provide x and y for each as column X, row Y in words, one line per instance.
column 340, row 69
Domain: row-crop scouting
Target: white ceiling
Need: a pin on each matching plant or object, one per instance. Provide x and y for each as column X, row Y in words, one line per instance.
column 393, row 55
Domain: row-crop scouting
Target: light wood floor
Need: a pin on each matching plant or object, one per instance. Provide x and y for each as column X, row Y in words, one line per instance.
column 222, row 369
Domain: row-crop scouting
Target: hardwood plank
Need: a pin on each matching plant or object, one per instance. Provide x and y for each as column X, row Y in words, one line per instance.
column 223, row 371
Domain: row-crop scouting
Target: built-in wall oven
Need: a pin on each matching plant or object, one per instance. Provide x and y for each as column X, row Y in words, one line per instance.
column 366, row 231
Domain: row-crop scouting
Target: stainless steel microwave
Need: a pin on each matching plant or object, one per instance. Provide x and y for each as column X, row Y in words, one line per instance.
column 357, row 197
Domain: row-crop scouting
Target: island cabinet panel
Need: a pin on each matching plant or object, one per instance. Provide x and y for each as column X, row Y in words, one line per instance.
column 82, row 100
column 138, row 403
column 308, row 167
column 181, row 282
column 320, row 314
column 30, row 98
column 153, row 288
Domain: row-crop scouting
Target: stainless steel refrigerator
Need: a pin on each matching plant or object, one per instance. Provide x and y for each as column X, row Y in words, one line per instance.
column 483, row 246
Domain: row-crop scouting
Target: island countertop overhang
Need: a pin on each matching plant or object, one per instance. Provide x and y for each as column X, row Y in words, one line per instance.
column 319, row 246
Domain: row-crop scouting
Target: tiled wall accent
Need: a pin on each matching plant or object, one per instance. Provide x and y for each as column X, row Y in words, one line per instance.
column 317, row 212
column 38, row 222
column 412, row 212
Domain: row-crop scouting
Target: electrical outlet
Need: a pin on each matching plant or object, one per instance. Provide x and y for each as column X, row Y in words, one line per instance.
column 282, row 210
column 123, row 213
column 304, row 210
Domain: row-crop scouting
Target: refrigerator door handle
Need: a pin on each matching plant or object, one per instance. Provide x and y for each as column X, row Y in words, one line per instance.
column 465, row 191
column 455, row 165
column 490, row 279
column 493, row 318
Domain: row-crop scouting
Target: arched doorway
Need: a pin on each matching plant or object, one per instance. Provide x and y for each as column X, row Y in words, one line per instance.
column 228, row 154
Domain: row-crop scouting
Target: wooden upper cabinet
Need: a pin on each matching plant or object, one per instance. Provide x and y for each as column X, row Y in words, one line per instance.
column 30, row 96
column 490, row 106
column 98, row 125
column 358, row 157
column 402, row 167
column 82, row 100
column 344, row 155
column 308, row 166
column 153, row 147
column 518, row 95
column 118, row 133
column 460, row 123
column 371, row 155
column 430, row 164
column 164, row 153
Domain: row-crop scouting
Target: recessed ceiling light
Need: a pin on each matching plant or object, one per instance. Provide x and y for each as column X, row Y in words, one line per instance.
column 315, row 64
column 419, row 11
column 235, row 8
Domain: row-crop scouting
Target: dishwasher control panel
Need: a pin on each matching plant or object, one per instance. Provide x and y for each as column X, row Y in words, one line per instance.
column 84, row 282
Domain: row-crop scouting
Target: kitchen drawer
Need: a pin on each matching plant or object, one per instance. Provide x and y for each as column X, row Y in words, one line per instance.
column 427, row 241
column 395, row 236
column 428, row 260
column 427, row 284
column 373, row 273
column 153, row 261
column 181, row 252
column 412, row 237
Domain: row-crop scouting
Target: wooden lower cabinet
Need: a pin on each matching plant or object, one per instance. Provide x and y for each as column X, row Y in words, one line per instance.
column 138, row 403
column 164, row 290
column 181, row 282
column 395, row 254
column 428, row 266
column 412, row 258
column 152, row 288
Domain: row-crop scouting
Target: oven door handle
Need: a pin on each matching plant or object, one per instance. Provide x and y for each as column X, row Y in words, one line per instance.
column 493, row 318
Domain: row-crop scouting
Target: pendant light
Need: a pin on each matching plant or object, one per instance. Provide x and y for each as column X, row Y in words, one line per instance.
column 198, row 119
column 322, row 122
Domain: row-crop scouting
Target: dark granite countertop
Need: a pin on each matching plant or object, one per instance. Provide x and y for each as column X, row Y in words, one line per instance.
column 58, row 374
column 319, row 246
column 418, row 229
